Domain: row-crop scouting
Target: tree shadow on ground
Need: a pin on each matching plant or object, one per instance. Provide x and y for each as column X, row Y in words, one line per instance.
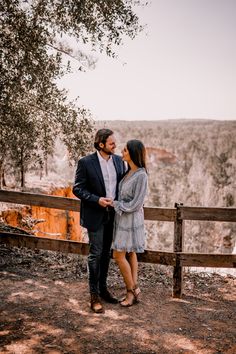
column 43, row 315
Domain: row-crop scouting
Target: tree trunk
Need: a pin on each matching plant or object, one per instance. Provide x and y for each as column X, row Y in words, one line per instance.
column 22, row 176
column 22, row 171
column 1, row 181
column 3, row 178
column 46, row 165
column 2, row 175
column 41, row 173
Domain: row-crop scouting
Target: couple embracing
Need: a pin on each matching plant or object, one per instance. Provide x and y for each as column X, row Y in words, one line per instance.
column 111, row 209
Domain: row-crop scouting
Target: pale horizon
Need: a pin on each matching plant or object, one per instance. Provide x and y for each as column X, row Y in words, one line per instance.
column 182, row 66
column 167, row 119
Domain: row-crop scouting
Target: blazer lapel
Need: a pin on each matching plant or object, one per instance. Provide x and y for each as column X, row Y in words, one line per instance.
column 97, row 167
column 117, row 166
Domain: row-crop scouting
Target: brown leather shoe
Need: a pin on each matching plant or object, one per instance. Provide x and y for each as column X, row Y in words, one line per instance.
column 96, row 305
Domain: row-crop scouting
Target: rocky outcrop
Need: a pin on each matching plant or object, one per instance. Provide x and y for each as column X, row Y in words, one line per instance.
column 46, row 222
column 156, row 155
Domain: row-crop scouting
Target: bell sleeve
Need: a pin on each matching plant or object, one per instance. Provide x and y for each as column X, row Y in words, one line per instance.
column 136, row 203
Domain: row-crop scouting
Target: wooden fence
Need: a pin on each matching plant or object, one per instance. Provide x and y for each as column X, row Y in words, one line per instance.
column 177, row 259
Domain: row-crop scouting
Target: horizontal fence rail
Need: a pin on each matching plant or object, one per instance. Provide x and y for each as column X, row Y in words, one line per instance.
column 43, row 200
column 149, row 256
column 207, row 214
column 48, row 201
column 207, row 260
column 160, row 214
column 177, row 259
column 32, row 242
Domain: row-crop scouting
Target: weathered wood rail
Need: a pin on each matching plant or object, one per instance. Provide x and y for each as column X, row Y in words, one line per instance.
column 177, row 259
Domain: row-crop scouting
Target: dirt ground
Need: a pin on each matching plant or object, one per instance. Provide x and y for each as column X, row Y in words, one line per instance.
column 44, row 308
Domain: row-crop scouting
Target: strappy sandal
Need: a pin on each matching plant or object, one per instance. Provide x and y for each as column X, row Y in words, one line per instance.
column 131, row 303
column 137, row 292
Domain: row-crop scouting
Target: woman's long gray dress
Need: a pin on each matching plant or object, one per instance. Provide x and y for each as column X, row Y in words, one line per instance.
column 129, row 232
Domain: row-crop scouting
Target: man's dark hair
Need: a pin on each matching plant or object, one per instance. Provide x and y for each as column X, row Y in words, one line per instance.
column 101, row 137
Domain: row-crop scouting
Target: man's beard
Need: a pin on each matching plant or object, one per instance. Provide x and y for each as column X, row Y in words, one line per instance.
column 108, row 152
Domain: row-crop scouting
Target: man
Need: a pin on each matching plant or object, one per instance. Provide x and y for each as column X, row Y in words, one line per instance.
column 96, row 182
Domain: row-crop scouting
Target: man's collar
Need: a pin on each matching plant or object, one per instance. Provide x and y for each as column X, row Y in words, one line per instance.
column 101, row 158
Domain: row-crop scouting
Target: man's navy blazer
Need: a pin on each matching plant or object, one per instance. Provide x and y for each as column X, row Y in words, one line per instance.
column 89, row 187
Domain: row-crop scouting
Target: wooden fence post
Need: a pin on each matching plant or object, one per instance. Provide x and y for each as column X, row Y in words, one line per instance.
column 178, row 247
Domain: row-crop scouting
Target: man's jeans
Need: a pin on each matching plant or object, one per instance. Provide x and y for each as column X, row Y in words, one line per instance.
column 99, row 256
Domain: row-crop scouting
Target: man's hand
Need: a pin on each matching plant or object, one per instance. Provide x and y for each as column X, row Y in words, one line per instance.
column 104, row 202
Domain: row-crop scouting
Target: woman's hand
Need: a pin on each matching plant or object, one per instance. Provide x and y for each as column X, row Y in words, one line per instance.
column 104, row 202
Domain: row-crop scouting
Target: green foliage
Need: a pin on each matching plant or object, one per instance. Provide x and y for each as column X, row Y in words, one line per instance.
column 33, row 48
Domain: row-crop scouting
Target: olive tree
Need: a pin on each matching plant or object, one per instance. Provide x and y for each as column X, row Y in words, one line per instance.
column 34, row 44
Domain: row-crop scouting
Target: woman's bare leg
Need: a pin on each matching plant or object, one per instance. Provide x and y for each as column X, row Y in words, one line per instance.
column 132, row 259
column 125, row 268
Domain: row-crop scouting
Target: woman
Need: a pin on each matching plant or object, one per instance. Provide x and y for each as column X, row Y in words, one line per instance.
column 129, row 234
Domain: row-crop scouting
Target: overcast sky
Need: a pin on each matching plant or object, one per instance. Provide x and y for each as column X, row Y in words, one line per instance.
column 182, row 66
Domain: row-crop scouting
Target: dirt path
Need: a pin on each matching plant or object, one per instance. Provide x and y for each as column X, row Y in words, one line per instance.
column 44, row 309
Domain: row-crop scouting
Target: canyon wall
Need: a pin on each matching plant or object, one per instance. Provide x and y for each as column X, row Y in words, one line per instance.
column 189, row 161
column 47, row 222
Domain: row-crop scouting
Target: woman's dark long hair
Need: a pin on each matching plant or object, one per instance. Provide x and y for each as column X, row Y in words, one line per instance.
column 137, row 152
